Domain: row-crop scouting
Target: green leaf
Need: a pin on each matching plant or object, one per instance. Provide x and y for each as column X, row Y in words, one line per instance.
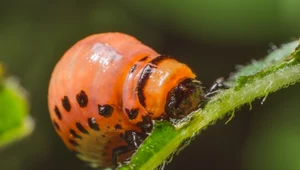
column 14, row 120
column 279, row 69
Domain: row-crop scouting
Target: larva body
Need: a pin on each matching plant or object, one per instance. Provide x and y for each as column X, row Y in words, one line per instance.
column 107, row 89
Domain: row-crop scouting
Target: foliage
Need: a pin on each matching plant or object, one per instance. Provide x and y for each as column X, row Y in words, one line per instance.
column 14, row 120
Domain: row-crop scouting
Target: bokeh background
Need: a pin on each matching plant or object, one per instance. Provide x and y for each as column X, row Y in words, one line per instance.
column 211, row 36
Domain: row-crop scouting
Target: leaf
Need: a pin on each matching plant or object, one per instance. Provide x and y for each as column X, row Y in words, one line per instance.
column 14, row 120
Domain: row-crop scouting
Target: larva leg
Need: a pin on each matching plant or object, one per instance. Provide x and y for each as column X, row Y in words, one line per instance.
column 119, row 151
column 216, row 87
column 133, row 139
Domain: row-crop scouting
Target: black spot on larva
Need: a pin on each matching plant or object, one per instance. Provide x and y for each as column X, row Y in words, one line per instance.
column 56, row 125
column 108, row 127
column 74, row 134
column 105, row 110
column 133, row 68
column 103, row 136
column 57, row 112
column 118, row 126
column 132, row 113
column 82, row 99
column 147, row 71
column 93, row 124
column 81, row 128
column 74, row 143
column 144, row 58
column 66, row 103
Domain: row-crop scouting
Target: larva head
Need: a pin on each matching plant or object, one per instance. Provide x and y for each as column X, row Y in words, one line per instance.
column 184, row 98
column 168, row 89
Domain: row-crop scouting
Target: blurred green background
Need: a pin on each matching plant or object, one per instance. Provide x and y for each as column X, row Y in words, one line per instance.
column 211, row 36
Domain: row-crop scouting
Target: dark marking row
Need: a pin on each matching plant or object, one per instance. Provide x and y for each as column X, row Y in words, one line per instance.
column 147, row 71
column 92, row 124
column 82, row 99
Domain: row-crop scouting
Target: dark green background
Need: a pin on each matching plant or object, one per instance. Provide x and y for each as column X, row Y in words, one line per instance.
column 210, row 36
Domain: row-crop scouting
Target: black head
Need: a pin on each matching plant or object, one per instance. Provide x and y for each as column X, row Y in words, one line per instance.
column 184, row 98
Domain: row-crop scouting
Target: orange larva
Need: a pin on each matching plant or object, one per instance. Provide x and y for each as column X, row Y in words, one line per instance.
column 107, row 89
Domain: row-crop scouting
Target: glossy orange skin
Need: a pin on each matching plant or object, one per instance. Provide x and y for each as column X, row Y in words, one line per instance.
column 100, row 66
